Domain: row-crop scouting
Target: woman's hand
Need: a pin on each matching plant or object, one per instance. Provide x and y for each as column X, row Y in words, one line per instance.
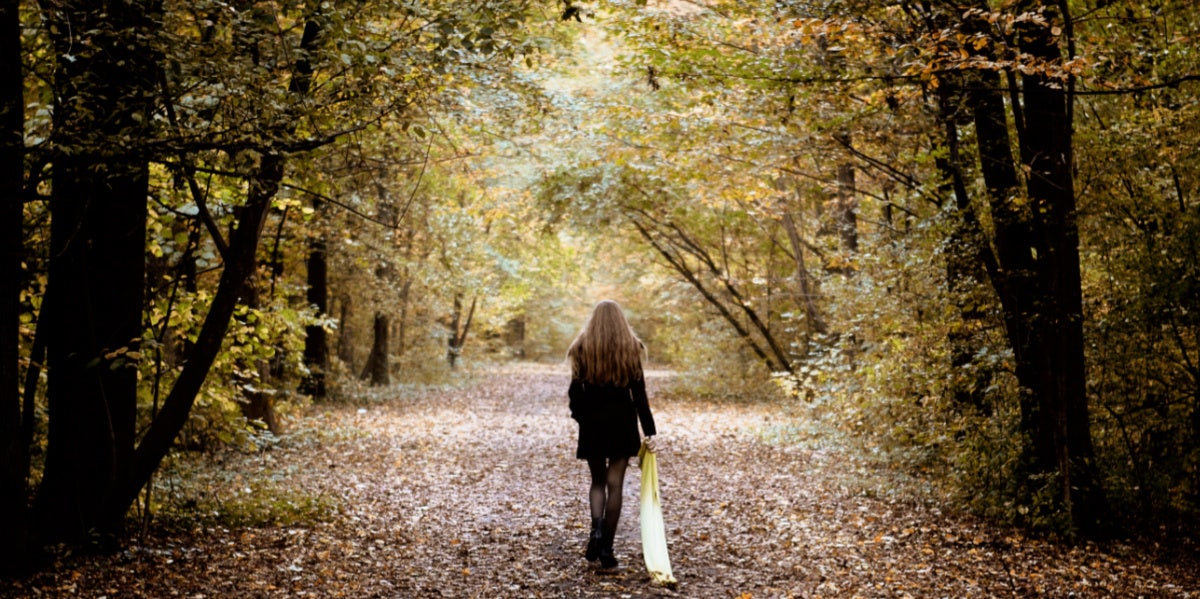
column 650, row 444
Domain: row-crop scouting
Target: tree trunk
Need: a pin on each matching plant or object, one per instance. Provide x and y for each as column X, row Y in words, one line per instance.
column 98, row 231
column 376, row 368
column 804, row 284
column 345, row 338
column 240, row 265
column 1036, row 271
column 967, row 259
column 1062, row 431
column 259, row 401
column 458, row 337
column 514, row 335
column 402, row 326
column 14, row 530
column 677, row 262
column 845, row 212
column 97, row 264
column 316, row 340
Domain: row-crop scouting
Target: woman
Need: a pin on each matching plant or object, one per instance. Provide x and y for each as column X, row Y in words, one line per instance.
column 608, row 397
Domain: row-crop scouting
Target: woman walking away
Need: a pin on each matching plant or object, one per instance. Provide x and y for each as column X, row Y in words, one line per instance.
column 608, row 397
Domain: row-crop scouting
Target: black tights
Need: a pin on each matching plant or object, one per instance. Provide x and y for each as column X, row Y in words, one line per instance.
column 608, row 478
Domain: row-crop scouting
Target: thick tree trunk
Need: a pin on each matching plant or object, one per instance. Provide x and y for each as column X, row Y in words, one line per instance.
column 14, row 530
column 97, row 265
column 1063, row 434
column 97, row 237
column 316, row 340
column 1036, row 271
column 1012, row 274
column 377, row 369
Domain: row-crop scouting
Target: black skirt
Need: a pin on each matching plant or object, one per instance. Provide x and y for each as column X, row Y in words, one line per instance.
column 608, row 419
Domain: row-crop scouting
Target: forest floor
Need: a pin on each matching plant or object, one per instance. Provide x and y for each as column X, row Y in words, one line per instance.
column 472, row 491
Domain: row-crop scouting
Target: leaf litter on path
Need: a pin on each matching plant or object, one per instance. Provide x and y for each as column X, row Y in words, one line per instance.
column 473, row 491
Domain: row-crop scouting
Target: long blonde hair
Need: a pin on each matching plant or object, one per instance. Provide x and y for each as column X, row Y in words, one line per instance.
column 606, row 351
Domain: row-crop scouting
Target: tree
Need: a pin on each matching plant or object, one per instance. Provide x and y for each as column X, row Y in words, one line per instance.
column 316, row 341
column 770, row 74
column 457, row 329
column 13, row 521
column 98, row 230
column 1036, row 268
column 200, row 108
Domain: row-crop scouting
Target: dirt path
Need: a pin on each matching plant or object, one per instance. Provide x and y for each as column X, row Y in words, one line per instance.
column 473, row 492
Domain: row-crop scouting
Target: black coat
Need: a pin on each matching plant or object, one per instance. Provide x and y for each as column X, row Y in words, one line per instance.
column 608, row 418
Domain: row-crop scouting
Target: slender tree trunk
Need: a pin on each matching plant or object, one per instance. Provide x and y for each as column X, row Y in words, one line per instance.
column 677, row 262
column 33, row 375
column 1012, row 273
column 846, row 211
column 240, row 265
column 377, row 369
column 402, row 326
column 345, row 339
column 458, row 336
column 316, row 340
column 514, row 335
column 452, row 330
column 804, row 284
column 14, row 530
column 967, row 257
column 259, row 404
column 405, row 290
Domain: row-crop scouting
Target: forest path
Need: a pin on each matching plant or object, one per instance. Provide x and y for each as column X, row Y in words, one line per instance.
column 473, row 491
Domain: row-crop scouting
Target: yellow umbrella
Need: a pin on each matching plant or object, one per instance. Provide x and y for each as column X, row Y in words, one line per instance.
column 654, row 536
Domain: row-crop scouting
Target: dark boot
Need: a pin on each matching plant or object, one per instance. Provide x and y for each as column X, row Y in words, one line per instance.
column 607, row 559
column 595, row 539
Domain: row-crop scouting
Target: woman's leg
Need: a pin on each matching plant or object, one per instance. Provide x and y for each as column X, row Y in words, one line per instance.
column 612, row 510
column 614, row 483
column 599, row 471
column 596, row 496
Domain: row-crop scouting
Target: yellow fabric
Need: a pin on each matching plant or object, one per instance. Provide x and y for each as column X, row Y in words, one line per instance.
column 654, row 536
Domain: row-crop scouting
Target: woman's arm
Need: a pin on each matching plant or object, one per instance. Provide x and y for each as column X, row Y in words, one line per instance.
column 638, row 388
column 575, row 395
